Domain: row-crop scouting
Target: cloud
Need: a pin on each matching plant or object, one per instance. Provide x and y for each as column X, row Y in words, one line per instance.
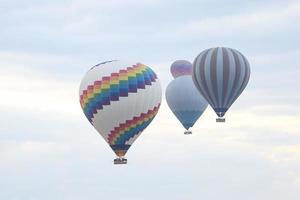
column 48, row 150
column 106, row 30
column 254, row 23
column 37, row 94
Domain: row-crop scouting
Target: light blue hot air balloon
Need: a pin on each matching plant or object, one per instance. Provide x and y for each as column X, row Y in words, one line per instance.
column 221, row 74
column 185, row 101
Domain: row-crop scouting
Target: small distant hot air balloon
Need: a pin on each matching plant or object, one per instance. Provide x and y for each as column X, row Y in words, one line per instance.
column 181, row 67
column 120, row 99
column 221, row 74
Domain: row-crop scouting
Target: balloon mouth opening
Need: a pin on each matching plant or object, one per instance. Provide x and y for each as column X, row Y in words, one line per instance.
column 187, row 125
column 120, row 151
column 220, row 111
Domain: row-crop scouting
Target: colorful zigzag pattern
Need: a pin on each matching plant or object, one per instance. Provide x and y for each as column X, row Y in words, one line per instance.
column 110, row 88
column 125, row 131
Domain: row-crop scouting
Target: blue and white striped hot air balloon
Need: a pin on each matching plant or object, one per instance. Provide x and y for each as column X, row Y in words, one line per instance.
column 120, row 99
column 221, row 74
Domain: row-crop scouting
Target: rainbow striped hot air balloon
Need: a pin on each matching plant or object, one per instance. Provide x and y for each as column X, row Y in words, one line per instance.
column 120, row 99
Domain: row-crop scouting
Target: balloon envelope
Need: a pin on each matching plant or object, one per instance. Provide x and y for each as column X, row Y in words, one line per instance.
column 120, row 99
column 221, row 74
column 181, row 68
column 185, row 101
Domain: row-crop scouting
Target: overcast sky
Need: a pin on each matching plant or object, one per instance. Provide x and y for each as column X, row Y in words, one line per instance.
column 49, row 151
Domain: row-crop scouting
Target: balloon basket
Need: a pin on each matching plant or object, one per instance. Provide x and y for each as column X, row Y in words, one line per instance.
column 120, row 161
column 220, row 120
column 187, row 132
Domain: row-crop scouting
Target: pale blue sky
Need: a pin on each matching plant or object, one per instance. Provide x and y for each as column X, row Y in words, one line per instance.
column 48, row 150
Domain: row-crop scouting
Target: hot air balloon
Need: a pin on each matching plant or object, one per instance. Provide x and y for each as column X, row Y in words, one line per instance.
column 221, row 74
column 181, row 67
column 120, row 99
column 185, row 101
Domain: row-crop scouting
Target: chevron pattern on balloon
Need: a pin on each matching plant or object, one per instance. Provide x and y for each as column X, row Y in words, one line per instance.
column 111, row 88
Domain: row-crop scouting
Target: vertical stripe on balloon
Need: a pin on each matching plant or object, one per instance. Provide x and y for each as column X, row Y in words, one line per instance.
column 221, row 74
